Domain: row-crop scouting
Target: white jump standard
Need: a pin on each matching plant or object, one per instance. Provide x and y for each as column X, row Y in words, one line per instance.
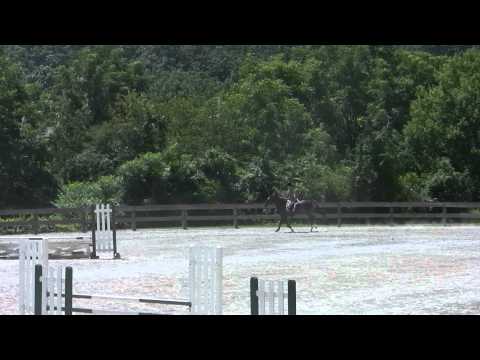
column 31, row 253
column 264, row 292
column 104, row 235
column 206, row 280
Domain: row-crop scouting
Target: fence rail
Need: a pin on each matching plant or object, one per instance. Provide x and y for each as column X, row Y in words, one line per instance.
column 39, row 220
column 208, row 214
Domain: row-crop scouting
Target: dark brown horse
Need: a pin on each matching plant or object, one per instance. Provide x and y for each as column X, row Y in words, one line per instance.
column 304, row 206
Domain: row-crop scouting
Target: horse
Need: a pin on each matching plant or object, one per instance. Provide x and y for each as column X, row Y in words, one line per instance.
column 281, row 205
column 303, row 206
column 307, row 207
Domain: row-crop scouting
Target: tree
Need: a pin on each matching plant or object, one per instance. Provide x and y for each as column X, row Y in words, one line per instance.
column 446, row 122
column 23, row 178
column 87, row 93
column 258, row 115
column 137, row 126
column 143, row 178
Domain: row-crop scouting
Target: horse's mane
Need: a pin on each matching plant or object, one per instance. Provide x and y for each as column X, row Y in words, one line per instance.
column 279, row 195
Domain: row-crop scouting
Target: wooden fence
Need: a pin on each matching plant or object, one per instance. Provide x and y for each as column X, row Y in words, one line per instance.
column 133, row 217
column 328, row 213
column 44, row 220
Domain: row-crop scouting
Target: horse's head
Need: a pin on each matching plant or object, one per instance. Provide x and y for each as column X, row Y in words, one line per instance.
column 272, row 197
column 268, row 200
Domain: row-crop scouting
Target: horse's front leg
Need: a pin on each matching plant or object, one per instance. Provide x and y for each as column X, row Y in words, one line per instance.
column 312, row 222
column 279, row 224
column 288, row 223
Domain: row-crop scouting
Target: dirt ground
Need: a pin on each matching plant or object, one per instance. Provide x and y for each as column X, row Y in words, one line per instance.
column 347, row 270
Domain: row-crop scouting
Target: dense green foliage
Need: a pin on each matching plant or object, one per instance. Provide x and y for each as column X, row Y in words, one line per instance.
column 182, row 124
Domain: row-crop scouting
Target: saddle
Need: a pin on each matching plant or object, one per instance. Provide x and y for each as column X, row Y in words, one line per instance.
column 291, row 204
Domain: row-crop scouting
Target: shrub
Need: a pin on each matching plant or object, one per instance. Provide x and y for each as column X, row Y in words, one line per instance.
column 143, row 178
column 106, row 190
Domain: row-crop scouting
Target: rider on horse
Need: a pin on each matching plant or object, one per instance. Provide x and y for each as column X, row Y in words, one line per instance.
column 292, row 198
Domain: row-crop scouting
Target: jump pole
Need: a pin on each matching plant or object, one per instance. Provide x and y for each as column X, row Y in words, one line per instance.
column 205, row 286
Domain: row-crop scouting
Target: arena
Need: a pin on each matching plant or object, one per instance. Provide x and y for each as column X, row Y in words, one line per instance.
column 422, row 269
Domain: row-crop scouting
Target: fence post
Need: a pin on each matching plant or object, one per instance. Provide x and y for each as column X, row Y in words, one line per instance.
column 444, row 216
column 339, row 215
column 113, row 227
column 83, row 220
column 94, row 228
column 134, row 221
column 184, row 219
column 292, row 297
column 68, row 291
column 391, row 216
column 253, row 296
column 235, row 219
column 35, row 225
column 38, row 290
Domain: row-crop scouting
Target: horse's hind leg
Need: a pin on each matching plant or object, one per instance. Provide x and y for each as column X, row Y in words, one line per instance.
column 279, row 224
column 288, row 224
